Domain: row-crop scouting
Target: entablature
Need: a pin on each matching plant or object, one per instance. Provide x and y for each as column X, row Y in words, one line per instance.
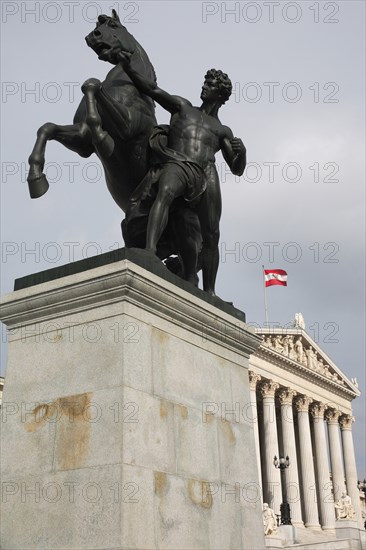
column 295, row 351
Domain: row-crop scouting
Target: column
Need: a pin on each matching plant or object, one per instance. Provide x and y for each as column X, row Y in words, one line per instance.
column 326, row 500
column 307, row 465
column 350, row 465
column 253, row 380
column 286, row 396
column 272, row 479
column 336, row 460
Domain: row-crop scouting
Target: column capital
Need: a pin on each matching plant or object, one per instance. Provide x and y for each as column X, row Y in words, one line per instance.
column 253, row 379
column 302, row 403
column 317, row 410
column 286, row 396
column 346, row 421
column 332, row 416
column 268, row 388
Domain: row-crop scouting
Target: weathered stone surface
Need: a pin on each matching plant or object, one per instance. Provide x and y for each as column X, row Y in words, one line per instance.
column 187, row 374
column 148, row 431
column 235, row 451
column 60, row 510
column 121, row 396
column 196, row 443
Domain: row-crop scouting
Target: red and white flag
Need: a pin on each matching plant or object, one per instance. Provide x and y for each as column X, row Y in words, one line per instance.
column 275, row 277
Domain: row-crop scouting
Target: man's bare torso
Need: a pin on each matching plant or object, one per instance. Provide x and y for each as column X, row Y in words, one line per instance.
column 196, row 134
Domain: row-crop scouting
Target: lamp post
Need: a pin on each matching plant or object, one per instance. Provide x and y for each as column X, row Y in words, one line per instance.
column 282, row 464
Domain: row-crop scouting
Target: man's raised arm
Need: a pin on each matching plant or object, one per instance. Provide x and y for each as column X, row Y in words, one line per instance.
column 169, row 102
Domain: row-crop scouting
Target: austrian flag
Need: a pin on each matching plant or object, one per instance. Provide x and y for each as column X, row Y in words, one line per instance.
column 275, row 277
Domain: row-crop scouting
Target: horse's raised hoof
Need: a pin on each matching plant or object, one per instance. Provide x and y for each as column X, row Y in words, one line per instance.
column 37, row 186
column 91, row 85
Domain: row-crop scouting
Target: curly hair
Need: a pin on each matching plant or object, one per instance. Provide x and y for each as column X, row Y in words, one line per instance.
column 224, row 83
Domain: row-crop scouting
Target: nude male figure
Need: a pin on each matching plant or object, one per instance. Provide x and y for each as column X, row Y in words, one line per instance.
column 195, row 136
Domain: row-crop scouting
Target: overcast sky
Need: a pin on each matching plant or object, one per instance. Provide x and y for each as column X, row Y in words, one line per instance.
column 298, row 104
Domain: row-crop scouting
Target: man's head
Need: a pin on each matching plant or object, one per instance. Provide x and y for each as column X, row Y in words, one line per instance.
column 217, row 85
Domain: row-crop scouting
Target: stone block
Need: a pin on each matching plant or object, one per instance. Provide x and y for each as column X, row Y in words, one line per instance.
column 237, row 459
column 187, row 374
column 288, row 534
column 197, row 447
column 72, row 509
column 149, row 431
column 45, row 364
column 89, row 429
column 348, row 530
column 273, row 542
column 137, row 494
column 137, row 370
column 106, row 443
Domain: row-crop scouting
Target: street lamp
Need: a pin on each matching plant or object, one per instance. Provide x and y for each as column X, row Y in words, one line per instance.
column 282, row 464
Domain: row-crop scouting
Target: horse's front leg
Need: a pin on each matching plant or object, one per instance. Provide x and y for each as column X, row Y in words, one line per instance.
column 73, row 136
column 102, row 141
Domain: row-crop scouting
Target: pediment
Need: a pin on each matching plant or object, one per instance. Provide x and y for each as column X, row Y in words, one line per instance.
column 296, row 346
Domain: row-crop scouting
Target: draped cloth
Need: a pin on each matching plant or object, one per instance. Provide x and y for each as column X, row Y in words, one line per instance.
column 164, row 160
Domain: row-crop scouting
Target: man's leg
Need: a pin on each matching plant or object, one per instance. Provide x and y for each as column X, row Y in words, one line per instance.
column 171, row 186
column 209, row 213
column 189, row 240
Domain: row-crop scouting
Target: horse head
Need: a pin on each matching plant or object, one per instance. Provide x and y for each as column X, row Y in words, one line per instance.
column 110, row 37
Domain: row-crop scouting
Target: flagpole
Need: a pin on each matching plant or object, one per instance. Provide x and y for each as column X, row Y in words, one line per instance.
column 265, row 298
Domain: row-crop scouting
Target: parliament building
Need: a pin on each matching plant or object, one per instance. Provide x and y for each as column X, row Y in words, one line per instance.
column 302, row 408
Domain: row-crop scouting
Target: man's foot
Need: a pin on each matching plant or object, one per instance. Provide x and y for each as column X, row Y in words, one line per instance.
column 211, row 293
column 193, row 280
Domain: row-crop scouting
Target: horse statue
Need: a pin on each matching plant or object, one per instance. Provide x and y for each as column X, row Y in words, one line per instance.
column 114, row 120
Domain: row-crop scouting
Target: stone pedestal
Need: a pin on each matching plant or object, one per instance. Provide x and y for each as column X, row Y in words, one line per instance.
column 363, row 539
column 347, row 529
column 288, row 534
column 126, row 414
column 273, row 542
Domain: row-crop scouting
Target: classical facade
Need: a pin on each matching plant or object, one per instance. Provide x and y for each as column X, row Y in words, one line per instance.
column 302, row 407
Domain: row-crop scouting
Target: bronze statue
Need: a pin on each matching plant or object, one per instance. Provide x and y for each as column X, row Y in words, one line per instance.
column 164, row 178
column 127, row 117
column 195, row 135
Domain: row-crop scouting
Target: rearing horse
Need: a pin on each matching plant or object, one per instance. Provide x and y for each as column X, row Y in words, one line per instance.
column 113, row 119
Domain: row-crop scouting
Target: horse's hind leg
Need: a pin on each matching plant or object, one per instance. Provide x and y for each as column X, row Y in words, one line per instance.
column 102, row 141
column 73, row 136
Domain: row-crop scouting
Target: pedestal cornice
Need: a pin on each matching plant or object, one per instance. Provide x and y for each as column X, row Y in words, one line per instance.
column 125, row 281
